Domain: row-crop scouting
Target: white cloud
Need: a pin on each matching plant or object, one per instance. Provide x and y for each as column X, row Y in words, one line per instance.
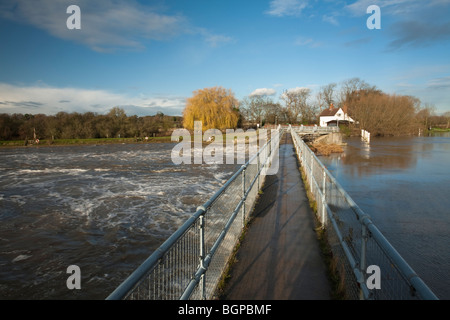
column 394, row 7
column 263, row 92
column 439, row 83
column 280, row 8
column 330, row 19
column 51, row 100
column 298, row 89
column 215, row 40
column 106, row 25
column 308, row 42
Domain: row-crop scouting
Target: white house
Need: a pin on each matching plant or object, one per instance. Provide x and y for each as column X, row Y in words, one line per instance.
column 332, row 116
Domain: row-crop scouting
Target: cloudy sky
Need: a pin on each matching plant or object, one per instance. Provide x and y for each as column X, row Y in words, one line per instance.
column 149, row 56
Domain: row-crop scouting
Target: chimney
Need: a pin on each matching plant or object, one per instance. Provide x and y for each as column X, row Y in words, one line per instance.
column 331, row 106
column 345, row 109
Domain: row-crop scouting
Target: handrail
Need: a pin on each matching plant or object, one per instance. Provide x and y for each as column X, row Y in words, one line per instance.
column 417, row 285
column 134, row 280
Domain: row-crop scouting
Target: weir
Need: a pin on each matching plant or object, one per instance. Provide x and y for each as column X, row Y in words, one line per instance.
column 191, row 263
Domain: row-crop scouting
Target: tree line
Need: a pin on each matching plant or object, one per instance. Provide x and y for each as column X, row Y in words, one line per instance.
column 373, row 110
column 87, row 125
column 217, row 108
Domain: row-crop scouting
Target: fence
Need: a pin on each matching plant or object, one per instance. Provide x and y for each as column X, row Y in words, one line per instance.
column 356, row 243
column 365, row 136
column 191, row 262
column 314, row 129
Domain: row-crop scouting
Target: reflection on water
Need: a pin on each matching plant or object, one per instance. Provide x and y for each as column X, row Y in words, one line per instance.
column 362, row 159
column 404, row 185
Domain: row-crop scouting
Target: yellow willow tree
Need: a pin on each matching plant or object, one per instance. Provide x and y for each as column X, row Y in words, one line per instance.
column 216, row 108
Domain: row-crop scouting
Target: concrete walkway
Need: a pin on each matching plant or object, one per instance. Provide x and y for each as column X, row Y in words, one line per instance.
column 279, row 258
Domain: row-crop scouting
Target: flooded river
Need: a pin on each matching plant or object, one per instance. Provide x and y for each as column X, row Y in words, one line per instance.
column 404, row 185
column 104, row 208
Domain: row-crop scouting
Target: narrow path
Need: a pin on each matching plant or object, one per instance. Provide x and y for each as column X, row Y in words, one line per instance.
column 279, row 258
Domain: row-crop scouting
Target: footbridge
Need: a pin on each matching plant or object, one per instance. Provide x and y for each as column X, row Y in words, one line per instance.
column 279, row 256
column 317, row 134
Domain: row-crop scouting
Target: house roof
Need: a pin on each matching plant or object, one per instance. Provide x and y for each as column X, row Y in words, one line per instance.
column 329, row 112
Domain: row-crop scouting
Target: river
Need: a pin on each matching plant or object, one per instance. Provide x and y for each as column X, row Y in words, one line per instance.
column 403, row 183
column 103, row 208
column 106, row 208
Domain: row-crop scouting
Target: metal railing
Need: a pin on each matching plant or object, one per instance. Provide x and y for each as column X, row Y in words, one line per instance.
column 191, row 262
column 356, row 243
column 314, row 129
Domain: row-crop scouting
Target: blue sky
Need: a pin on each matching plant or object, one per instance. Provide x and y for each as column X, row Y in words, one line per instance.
column 149, row 56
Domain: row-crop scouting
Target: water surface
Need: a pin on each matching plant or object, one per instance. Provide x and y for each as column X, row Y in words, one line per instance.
column 104, row 208
column 404, row 185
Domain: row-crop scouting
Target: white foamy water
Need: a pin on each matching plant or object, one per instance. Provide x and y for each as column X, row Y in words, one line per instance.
column 103, row 208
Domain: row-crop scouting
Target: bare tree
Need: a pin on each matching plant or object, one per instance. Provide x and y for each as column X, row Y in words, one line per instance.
column 446, row 115
column 76, row 125
column 351, row 88
column 326, row 95
column 273, row 112
column 424, row 115
column 260, row 109
column 382, row 114
column 296, row 103
column 253, row 108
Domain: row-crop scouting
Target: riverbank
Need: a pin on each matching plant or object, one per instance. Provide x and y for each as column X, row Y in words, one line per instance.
column 356, row 132
column 323, row 149
column 101, row 141
column 439, row 130
column 72, row 142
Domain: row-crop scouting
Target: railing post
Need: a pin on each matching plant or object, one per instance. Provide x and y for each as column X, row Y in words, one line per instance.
column 258, row 167
column 311, row 164
column 202, row 254
column 362, row 264
column 268, row 160
column 302, row 154
column 324, row 196
column 243, row 196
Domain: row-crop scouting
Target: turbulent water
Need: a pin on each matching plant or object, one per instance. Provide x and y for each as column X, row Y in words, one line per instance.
column 404, row 185
column 104, row 208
